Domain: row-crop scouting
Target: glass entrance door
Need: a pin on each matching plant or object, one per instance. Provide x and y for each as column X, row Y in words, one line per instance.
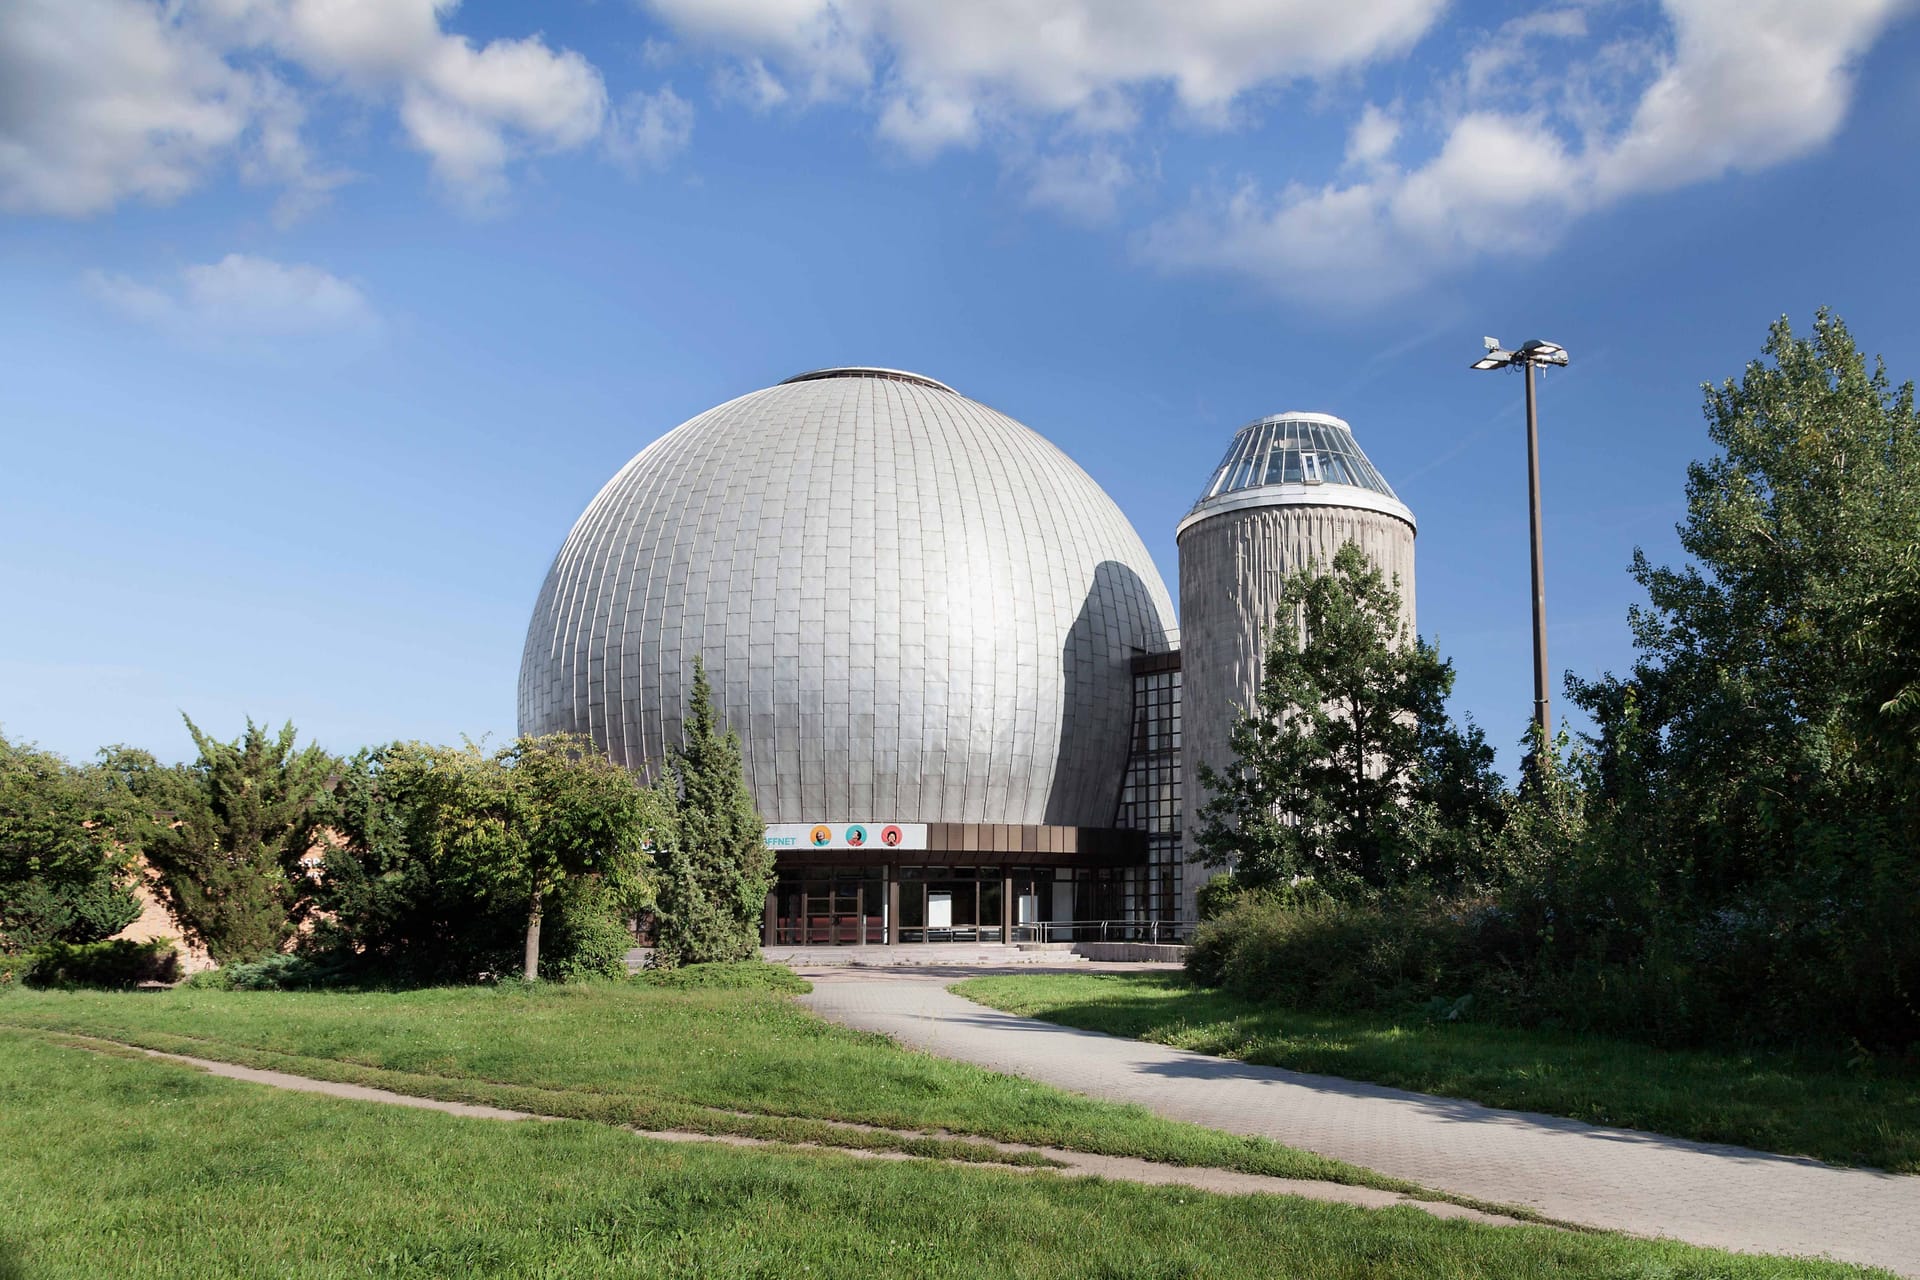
column 829, row 907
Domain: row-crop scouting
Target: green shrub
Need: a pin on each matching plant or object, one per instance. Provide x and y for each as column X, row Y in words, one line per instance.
column 590, row 937
column 1383, row 955
column 117, row 963
column 273, row 973
column 1735, row 978
column 743, row 975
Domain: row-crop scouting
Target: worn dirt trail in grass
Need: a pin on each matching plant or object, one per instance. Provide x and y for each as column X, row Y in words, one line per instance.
column 1072, row 1163
column 1618, row 1179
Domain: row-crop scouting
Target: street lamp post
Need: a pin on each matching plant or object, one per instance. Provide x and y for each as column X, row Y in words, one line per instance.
column 1525, row 359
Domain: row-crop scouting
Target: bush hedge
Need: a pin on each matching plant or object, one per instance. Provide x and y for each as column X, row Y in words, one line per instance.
column 114, row 964
column 273, row 973
column 1726, row 980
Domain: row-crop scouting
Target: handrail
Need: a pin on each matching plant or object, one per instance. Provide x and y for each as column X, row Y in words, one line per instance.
column 836, row 933
column 1149, row 931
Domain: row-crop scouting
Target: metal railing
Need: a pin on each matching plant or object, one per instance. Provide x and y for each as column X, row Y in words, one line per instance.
column 1149, row 931
column 845, row 931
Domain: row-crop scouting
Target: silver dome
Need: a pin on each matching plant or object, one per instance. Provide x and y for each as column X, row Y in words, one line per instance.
column 911, row 607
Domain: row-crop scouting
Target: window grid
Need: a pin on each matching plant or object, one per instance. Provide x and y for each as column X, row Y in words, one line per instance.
column 1294, row 451
column 1150, row 796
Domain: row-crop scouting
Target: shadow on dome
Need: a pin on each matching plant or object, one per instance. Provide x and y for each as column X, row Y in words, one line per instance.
column 1117, row 620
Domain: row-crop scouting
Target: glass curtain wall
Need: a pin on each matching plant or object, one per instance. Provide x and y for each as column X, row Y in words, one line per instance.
column 1150, row 795
column 1294, row 451
column 848, row 906
column 830, row 907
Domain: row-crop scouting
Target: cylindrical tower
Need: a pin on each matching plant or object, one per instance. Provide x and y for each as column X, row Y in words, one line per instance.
column 1292, row 489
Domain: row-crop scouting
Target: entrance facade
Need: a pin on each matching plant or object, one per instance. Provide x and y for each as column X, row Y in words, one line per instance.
column 1040, row 884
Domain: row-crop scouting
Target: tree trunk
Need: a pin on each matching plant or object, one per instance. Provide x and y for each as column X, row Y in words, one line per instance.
column 532, row 970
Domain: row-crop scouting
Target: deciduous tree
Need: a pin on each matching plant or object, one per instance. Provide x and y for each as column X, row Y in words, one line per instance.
column 519, row 823
column 64, row 877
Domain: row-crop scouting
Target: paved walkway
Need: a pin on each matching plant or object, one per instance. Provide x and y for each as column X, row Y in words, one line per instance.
column 1618, row 1179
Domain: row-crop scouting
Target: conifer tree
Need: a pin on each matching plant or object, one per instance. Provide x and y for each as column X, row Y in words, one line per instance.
column 716, row 870
column 1331, row 752
column 227, row 832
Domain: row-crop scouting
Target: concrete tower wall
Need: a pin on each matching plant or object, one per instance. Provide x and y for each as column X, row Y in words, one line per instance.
column 1232, row 567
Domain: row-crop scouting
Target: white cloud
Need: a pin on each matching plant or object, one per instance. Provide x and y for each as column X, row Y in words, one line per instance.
column 1083, row 187
column 240, row 297
column 650, row 128
column 1372, row 139
column 1746, row 85
column 938, row 72
column 103, row 101
column 1509, row 54
column 471, row 110
column 1751, row 83
column 752, row 83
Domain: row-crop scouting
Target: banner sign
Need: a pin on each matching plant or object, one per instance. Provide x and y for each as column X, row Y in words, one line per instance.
column 846, row 835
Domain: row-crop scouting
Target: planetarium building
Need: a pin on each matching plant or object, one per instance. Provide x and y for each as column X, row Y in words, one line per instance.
column 952, row 664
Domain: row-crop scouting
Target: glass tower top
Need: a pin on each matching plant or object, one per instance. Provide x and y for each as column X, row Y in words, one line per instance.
column 1295, row 448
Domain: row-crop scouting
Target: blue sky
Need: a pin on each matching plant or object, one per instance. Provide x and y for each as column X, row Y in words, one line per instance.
column 325, row 318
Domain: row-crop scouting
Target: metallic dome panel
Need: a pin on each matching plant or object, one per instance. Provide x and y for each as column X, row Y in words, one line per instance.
column 910, row 606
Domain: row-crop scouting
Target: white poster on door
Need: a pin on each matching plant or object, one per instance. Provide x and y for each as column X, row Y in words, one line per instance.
column 939, row 911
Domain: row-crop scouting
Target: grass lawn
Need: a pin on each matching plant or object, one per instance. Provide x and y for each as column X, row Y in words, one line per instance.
column 719, row 1061
column 1773, row 1102
column 135, row 1168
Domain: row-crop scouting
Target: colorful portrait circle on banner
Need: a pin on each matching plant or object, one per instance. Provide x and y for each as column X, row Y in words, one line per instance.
column 856, row 835
column 891, row 837
column 822, row 836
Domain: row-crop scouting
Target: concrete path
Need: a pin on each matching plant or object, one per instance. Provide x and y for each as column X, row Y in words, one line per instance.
column 1619, row 1179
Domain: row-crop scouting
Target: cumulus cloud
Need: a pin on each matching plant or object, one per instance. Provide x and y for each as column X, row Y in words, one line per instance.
column 650, row 128
column 751, row 82
column 1372, row 139
column 240, row 297
column 1751, row 83
column 103, row 101
column 1084, row 187
column 940, row 72
column 1745, row 84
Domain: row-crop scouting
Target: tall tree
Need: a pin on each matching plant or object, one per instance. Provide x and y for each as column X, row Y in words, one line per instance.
column 1774, row 682
column 227, row 833
column 64, row 877
column 1332, row 747
column 1760, row 758
column 716, row 869
column 520, row 823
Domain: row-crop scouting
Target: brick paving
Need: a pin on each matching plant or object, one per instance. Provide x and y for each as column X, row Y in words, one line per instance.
column 1618, row 1179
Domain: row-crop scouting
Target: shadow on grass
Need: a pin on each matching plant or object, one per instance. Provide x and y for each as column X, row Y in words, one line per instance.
column 1202, row 1069
column 1741, row 1106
